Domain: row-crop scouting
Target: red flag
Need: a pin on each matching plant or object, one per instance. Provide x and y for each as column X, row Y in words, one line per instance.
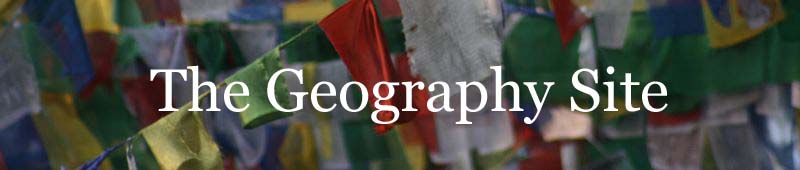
column 144, row 97
column 390, row 8
column 419, row 97
column 355, row 32
column 102, row 48
column 569, row 19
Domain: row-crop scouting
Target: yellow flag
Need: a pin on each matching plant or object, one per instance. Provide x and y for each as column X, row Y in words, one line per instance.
column 298, row 150
column 180, row 141
column 97, row 16
column 67, row 140
column 7, row 10
column 733, row 23
column 307, row 11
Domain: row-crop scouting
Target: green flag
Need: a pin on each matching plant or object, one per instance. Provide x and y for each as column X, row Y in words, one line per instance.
column 256, row 75
column 180, row 141
column 530, row 55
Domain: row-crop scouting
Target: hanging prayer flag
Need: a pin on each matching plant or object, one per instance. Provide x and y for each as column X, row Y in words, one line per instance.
column 68, row 141
column 214, row 46
column 106, row 114
column 20, row 93
column 791, row 22
column 246, row 146
column 731, row 137
column 255, row 40
column 530, row 55
column 144, row 96
column 298, row 151
column 180, row 141
column 97, row 16
column 676, row 17
column 127, row 14
column 307, row 11
column 102, row 49
column 354, row 31
column 389, row 8
column 328, row 125
column 257, row 73
column 450, row 40
column 674, row 142
column 58, row 25
column 8, row 9
column 207, row 10
column 419, row 97
column 160, row 11
column 730, row 22
column 566, row 125
column 21, row 146
column 258, row 11
column 569, row 19
column 161, row 47
column 611, row 22
column 774, row 124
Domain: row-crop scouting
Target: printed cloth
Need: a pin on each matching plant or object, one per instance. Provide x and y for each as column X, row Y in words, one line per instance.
column 611, row 22
column 180, row 141
column 257, row 11
column 676, row 17
column 675, row 142
column 730, row 135
column 329, row 132
column 255, row 40
column 22, row 146
column 307, row 11
column 58, row 26
column 530, row 56
column 58, row 126
column 20, row 93
column 97, row 16
column 95, row 111
column 207, row 10
column 731, row 22
column 569, row 18
column 248, row 145
column 161, row 47
column 450, row 40
column 160, row 11
column 490, row 132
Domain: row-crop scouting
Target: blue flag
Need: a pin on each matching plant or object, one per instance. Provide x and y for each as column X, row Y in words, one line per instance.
column 58, row 24
column 676, row 17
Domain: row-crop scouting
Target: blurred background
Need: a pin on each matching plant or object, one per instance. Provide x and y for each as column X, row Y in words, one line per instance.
column 76, row 91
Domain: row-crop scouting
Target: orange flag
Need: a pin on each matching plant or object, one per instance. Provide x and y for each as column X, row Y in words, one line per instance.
column 355, row 32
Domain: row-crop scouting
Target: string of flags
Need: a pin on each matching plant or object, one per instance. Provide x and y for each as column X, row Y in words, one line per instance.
column 76, row 88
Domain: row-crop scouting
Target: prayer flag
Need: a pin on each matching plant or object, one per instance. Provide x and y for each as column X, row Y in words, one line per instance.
column 19, row 95
column 256, row 75
column 68, row 141
column 307, row 11
column 8, row 9
column 160, row 10
column 461, row 49
column 676, row 17
column 180, row 141
column 97, row 16
column 569, row 19
column 58, row 25
column 355, row 32
column 258, row 10
column 730, row 22
column 207, row 10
